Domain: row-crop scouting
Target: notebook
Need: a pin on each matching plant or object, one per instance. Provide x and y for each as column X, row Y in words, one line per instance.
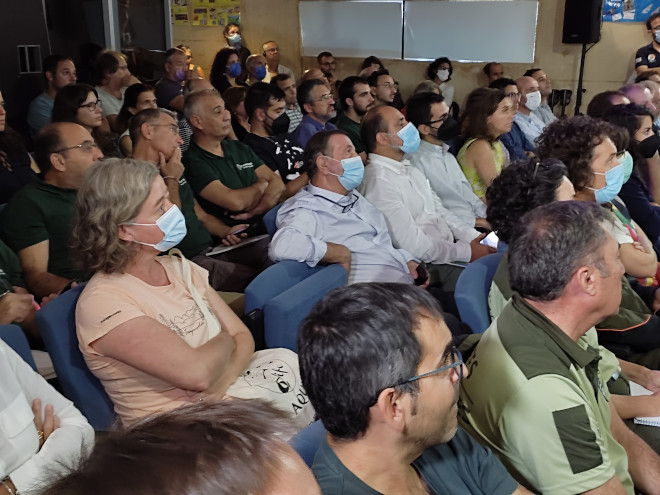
column 223, row 249
column 636, row 390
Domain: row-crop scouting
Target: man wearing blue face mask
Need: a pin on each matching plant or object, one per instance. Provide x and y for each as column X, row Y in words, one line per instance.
column 328, row 221
column 168, row 90
column 415, row 216
column 256, row 69
column 648, row 57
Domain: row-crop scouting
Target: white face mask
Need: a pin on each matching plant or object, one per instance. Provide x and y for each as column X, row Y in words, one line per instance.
column 533, row 100
column 443, row 74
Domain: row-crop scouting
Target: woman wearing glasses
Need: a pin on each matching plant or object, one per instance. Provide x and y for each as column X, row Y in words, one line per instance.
column 79, row 103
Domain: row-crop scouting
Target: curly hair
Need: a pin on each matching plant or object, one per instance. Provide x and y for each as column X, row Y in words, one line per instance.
column 220, row 66
column 112, row 193
column 433, row 68
column 480, row 104
column 572, row 141
column 522, row 186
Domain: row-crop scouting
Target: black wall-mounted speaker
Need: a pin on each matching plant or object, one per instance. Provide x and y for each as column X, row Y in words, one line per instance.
column 582, row 21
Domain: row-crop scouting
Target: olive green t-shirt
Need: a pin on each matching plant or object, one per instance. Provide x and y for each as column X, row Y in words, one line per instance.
column 10, row 269
column 197, row 237
column 352, row 128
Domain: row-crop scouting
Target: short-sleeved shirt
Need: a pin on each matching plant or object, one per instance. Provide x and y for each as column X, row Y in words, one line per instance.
column 460, row 466
column 111, row 300
column 110, row 104
column 281, row 153
column 538, row 399
column 647, row 55
column 43, row 212
column 352, row 128
column 40, row 113
column 166, row 90
column 15, row 172
column 235, row 170
column 197, row 237
column 10, row 268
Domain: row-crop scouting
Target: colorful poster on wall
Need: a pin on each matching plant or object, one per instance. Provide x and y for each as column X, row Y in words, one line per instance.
column 629, row 10
column 180, row 13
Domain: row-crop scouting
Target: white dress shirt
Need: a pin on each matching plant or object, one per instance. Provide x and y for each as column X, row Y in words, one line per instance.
column 448, row 181
column 20, row 456
column 315, row 216
column 416, row 219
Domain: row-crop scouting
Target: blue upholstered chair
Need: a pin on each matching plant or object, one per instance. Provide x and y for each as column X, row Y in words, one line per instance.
column 472, row 290
column 58, row 329
column 307, row 441
column 270, row 218
column 13, row 336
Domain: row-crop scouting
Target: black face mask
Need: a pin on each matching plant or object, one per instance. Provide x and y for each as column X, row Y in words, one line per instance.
column 448, row 130
column 280, row 125
column 649, row 146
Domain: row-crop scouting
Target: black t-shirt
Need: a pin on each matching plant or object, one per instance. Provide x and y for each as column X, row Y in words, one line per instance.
column 647, row 55
column 281, row 153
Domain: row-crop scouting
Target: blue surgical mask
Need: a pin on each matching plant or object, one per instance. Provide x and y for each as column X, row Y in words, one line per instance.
column 235, row 39
column 260, row 72
column 234, row 70
column 656, row 36
column 410, row 137
column 172, row 224
column 627, row 162
column 180, row 75
column 353, row 172
column 613, row 183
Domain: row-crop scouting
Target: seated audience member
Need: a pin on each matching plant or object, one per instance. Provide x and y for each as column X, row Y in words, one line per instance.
column 639, row 95
column 383, row 88
column 194, row 71
column 15, row 162
column 228, row 178
column 36, row 223
column 390, row 414
column 255, row 68
column 643, row 145
column 488, row 114
column 137, row 97
column 648, row 75
column 602, row 102
column 235, row 103
column 212, row 448
column 430, row 114
column 185, row 131
column 113, row 77
column 168, row 89
column 543, row 112
column 42, row 433
column 355, row 99
column 533, row 372
column 515, row 141
column 372, row 64
column 654, row 88
column 426, row 87
column 150, row 327
column 58, row 71
column 232, row 34
column 584, row 145
column 329, row 221
column 80, row 104
column 288, row 86
column 493, row 71
column 530, row 99
column 415, row 217
column 439, row 71
column 315, row 74
column 269, row 137
column 318, row 108
column 226, row 70
column 271, row 51
column 156, row 140
column 328, row 66
column 648, row 56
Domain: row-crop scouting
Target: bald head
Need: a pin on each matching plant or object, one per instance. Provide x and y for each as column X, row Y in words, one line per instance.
column 526, row 86
column 639, row 95
column 314, row 74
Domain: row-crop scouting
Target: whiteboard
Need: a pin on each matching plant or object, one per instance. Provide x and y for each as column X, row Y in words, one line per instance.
column 352, row 28
column 502, row 31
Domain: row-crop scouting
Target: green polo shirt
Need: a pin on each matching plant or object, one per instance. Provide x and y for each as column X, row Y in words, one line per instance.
column 197, row 237
column 235, row 170
column 43, row 212
column 536, row 398
column 10, row 269
column 352, row 128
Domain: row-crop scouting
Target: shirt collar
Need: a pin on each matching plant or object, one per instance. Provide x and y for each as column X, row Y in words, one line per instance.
column 332, row 196
column 397, row 166
column 433, row 148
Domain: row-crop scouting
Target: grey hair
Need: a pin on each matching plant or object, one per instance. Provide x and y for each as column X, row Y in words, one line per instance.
column 146, row 116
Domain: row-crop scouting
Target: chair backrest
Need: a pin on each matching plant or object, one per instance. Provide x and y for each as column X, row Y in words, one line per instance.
column 58, row 329
column 14, row 337
column 472, row 290
column 270, row 218
column 308, row 441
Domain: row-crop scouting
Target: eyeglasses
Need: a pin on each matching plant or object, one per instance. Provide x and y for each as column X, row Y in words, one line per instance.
column 91, row 106
column 273, row 50
column 325, row 97
column 174, row 129
column 87, row 147
column 514, row 96
column 456, row 362
column 389, row 85
column 442, row 120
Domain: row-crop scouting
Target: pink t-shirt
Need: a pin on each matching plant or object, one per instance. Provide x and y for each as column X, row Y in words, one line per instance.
column 110, row 300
